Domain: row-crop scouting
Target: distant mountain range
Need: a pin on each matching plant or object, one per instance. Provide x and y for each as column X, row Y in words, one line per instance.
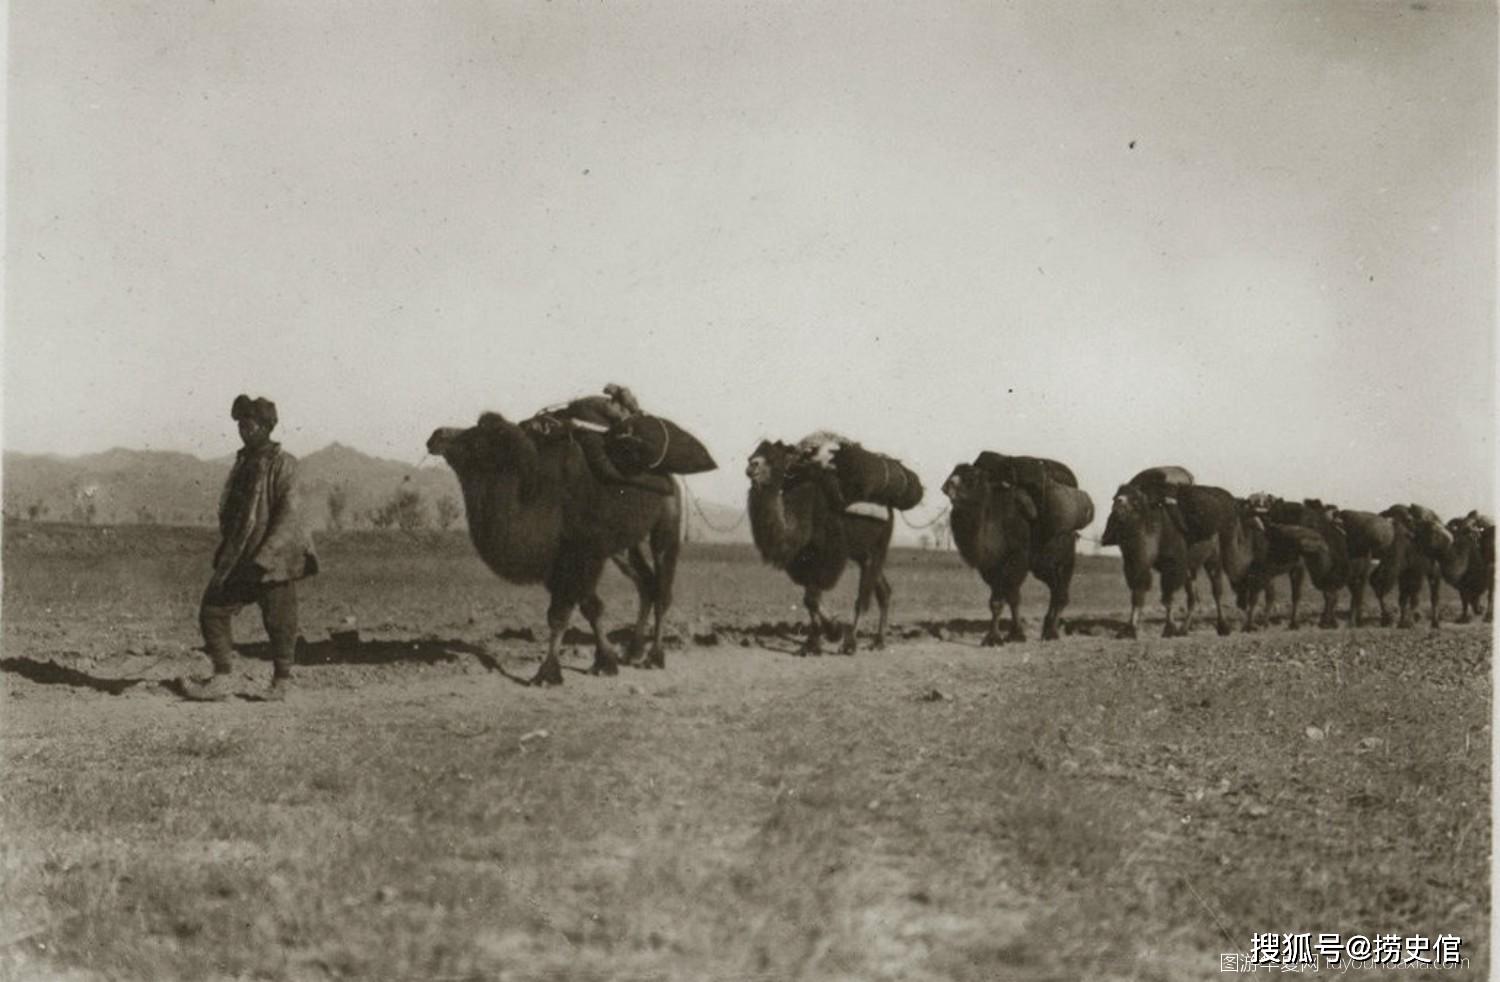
column 122, row 486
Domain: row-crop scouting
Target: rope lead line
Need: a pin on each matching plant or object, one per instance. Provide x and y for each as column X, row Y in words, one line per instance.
column 693, row 499
column 927, row 525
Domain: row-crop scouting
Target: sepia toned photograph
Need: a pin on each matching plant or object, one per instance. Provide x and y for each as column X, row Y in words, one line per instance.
column 679, row 491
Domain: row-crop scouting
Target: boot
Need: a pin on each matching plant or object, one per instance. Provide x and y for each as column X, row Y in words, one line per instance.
column 280, row 688
column 215, row 689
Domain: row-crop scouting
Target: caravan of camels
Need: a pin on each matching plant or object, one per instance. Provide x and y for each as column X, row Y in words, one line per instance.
column 555, row 498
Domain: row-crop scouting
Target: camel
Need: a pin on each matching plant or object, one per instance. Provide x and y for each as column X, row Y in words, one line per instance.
column 1376, row 553
column 1311, row 532
column 996, row 529
column 1149, row 538
column 1470, row 567
column 1453, row 552
column 798, row 528
column 537, row 513
column 1244, row 551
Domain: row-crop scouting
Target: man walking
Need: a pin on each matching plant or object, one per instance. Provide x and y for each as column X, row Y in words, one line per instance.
column 264, row 549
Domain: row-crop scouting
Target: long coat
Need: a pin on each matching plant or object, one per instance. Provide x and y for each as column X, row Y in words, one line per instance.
column 265, row 526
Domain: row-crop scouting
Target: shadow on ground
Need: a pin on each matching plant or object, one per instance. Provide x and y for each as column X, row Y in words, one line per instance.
column 51, row 673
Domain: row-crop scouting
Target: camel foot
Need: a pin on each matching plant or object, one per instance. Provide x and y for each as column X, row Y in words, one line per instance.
column 1050, row 633
column 1128, row 632
column 1016, row 634
column 992, row 640
column 1464, row 619
column 1223, row 629
column 879, row 644
column 849, row 645
column 1385, row 620
column 605, row 663
column 1328, row 623
column 655, row 658
column 810, row 647
column 549, row 674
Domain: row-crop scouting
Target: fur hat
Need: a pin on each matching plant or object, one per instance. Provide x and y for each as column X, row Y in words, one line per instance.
column 261, row 410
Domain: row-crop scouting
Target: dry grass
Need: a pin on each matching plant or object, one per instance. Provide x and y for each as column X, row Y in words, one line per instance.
column 1088, row 809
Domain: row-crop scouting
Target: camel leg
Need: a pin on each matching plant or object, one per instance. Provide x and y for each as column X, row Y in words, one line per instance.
column 1133, row 620
column 1359, row 576
column 816, row 622
column 1058, row 560
column 1434, row 587
column 1329, row 617
column 883, row 602
column 666, row 543
column 1489, row 605
column 606, row 659
column 1171, row 579
column 1405, row 602
column 559, row 613
column 867, row 577
column 1189, row 602
column 1139, row 585
column 635, row 568
column 1013, row 601
column 1244, row 598
column 1216, row 590
column 997, row 607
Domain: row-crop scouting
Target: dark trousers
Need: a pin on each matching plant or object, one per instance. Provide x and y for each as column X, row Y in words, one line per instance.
column 278, row 611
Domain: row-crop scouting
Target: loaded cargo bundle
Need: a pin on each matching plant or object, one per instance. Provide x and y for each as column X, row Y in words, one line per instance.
column 1204, row 510
column 862, row 475
column 1053, row 488
column 651, row 443
column 1161, row 482
column 1029, row 472
column 633, row 443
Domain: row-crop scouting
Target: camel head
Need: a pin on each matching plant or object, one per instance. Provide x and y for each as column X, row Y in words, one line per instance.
column 1129, row 509
column 490, row 446
column 967, row 485
column 1424, row 515
column 767, row 465
column 1463, row 528
column 1130, row 505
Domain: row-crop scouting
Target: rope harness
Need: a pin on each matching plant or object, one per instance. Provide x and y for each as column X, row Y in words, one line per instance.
column 666, row 441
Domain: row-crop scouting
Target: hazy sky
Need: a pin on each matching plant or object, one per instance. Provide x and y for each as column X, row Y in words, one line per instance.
column 1253, row 238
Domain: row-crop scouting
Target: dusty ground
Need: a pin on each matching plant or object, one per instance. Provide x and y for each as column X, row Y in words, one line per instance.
column 1090, row 808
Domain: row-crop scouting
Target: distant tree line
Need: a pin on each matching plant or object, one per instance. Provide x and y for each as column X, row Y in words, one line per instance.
column 406, row 508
